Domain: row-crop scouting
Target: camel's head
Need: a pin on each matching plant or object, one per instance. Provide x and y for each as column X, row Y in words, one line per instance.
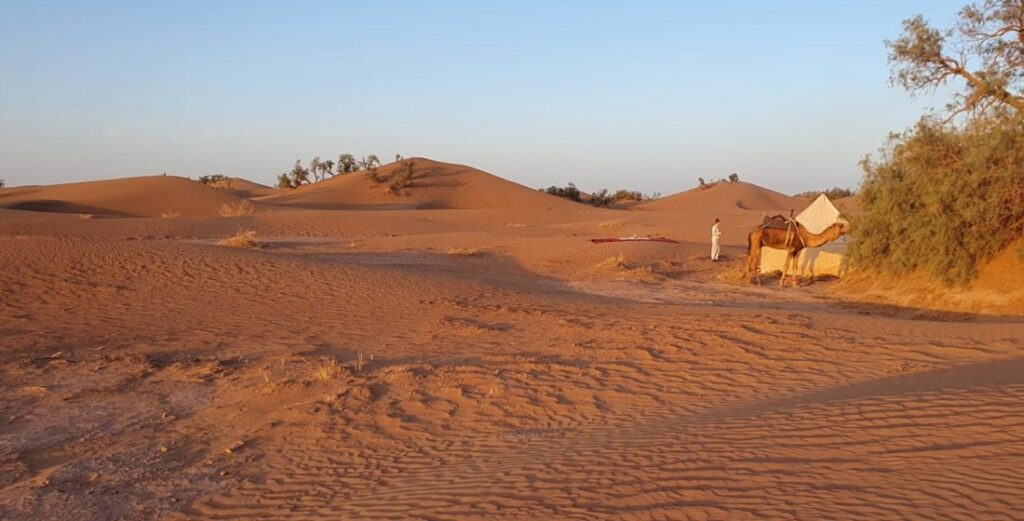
column 843, row 225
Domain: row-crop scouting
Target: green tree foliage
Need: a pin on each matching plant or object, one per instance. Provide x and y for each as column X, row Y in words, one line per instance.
column 984, row 49
column 569, row 191
column 946, row 196
column 943, row 199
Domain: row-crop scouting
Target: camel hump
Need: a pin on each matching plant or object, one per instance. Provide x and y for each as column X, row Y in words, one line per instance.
column 779, row 222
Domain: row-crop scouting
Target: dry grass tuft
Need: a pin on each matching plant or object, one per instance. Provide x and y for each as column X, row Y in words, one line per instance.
column 241, row 239
column 169, row 214
column 84, row 216
column 610, row 224
column 327, row 370
column 464, row 252
column 243, row 207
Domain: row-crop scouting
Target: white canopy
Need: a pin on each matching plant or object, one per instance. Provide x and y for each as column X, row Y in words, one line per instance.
column 818, row 215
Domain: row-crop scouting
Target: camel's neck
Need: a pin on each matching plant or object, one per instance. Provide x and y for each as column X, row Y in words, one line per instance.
column 813, row 240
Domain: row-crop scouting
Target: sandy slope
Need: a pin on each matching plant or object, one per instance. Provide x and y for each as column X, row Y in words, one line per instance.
column 150, row 196
column 477, row 364
column 436, row 185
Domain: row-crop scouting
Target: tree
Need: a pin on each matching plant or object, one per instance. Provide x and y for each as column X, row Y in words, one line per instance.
column 314, row 168
column 299, row 175
column 985, row 49
column 701, row 181
column 328, row 167
column 370, row 161
column 284, row 181
column 734, row 177
column 601, row 198
column 1, row 183
column 347, row 163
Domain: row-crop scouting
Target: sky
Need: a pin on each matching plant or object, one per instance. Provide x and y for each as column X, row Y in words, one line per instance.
column 643, row 95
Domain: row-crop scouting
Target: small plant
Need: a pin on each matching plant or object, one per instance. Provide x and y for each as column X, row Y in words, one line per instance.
column 2, row 183
column 327, row 371
column 169, row 214
column 360, row 362
column 236, row 209
column 85, row 216
column 734, row 177
column 218, row 180
column 241, row 239
column 402, row 177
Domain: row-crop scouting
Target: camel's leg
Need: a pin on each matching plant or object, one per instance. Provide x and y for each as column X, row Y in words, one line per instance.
column 756, row 262
column 785, row 269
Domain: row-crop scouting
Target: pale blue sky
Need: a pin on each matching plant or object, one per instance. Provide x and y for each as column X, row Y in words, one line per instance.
column 643, row 95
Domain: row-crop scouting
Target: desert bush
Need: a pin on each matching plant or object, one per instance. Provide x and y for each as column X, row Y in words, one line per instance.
column 236, row 209
column 831, row 193
column 601, row 198
column 284, row 181
column 215, row 180
column 734, row 177
column 402, row 176
column 2, row 183
column 241, row 239
column 569, row 191
column 169, row 214
column 942, row 199
column 628, row 195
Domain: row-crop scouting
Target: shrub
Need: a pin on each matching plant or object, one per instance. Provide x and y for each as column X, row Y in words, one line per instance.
column 569, row 191
column 942, row 199
column 401, row 177
column 1, row 183
column 285, row 181
column 831, row 193
column 734, row 177
column 241, row 239
column 626, row 195
column 236, row 209
column 601, row 198
column 215, row 179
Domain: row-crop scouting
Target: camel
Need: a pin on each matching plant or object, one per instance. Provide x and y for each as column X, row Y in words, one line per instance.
column 792, row 238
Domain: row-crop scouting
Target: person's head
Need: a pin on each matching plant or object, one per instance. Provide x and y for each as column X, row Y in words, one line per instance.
column 717, row 221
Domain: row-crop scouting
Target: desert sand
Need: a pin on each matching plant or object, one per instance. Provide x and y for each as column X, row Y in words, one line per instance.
column 460, row 350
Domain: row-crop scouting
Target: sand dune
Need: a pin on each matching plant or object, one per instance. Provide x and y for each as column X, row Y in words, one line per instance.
column 474, row 362
column 436, row 185
column 151, row 196
column 727, row 198
column 244, row 187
